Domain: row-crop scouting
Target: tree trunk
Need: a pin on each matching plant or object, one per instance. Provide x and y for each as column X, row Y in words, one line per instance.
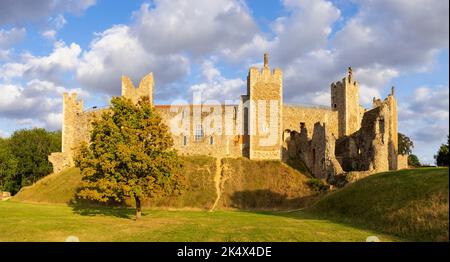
column 138, row 208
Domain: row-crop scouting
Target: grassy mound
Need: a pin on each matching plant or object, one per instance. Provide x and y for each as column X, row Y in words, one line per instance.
column 54, row 188
column 61, row 188
column 412, row 204
column 248, row 185
column 200, row 193
column 263, row 185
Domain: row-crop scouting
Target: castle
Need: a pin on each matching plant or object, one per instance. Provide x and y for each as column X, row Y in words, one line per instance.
column 342, row 138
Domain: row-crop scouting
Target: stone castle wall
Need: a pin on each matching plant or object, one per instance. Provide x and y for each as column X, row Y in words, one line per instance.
column 218, row 127
column 294, row 116
column 330, row 141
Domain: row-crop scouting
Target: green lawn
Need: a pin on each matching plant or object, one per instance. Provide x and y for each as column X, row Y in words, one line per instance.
column 51, row 222
column 412, row 204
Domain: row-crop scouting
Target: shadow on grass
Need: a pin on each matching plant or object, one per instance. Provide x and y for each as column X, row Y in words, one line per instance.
column 268, row 200
column 89, row 208
column 262, row 202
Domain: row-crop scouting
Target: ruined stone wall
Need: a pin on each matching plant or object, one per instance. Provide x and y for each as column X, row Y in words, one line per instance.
column 145, row 88
column 76, row 127
column 294, row 115
column 367, row 149
column 402, row 162
column 60, row 161
column 265, row 91
column 317, row 153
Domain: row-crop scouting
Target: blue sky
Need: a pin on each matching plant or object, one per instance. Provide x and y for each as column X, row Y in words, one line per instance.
column 54, row 46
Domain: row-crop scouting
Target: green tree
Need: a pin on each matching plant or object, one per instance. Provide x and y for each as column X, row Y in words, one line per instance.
column 443, row 155
column 405, row 144
column 8, row 167
column 30, row 148
column 130, row 155
column 413, row 161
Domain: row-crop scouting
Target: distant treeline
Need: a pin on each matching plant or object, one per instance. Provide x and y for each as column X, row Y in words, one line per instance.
column 23, row 157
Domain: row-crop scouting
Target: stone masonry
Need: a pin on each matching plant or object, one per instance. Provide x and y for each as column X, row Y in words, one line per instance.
column 330, row 140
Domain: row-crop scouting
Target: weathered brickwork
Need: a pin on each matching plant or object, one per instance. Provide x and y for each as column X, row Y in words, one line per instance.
column 330, row 141
column 294, row 116
column 208, row 136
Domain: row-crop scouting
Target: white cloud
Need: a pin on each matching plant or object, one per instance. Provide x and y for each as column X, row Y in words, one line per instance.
column 431, row 104
column 12, row 36
column 54, row 121
column 372, row 81
column 49, row 34
column 37, row 103
column 403, row 33
column 5, row 54
column 62, row 59
column 116, row 52
column 55, row 24
column 424, row 117
column 306, row 28
column 209, row 71
column 198, row 27
column 22, row 11
column 216, row 86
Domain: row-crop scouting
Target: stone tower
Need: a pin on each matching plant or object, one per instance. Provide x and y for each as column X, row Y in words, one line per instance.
column 345, row 100
column 72, row 110
column 265, row 100
column 145, row 88
column 393, row 131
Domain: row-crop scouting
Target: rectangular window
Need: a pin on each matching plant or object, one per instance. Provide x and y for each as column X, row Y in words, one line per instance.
column 381, row 125
column 198, row 133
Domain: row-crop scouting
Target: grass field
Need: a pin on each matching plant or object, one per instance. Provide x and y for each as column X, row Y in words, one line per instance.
column 51, row 222
column 405, row 205
column 412, row 204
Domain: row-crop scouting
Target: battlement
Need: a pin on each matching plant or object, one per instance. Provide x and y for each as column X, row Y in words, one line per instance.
column 145, row 88
column 265, row 75
column 71, row 101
